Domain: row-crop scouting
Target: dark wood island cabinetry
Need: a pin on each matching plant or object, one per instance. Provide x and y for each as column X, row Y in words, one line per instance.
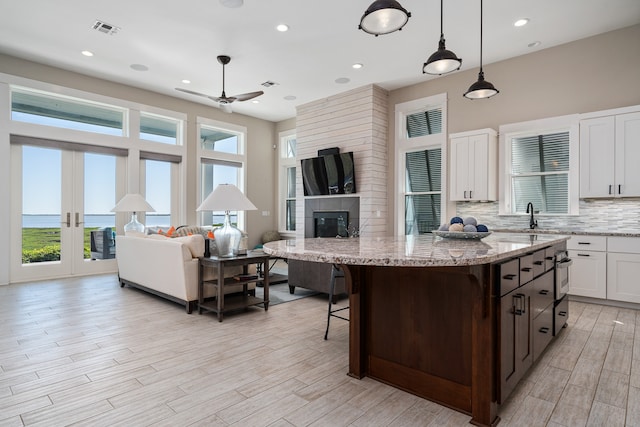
column 428, row 315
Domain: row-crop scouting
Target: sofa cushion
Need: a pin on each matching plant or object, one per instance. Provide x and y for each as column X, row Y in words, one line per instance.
column 194, row 242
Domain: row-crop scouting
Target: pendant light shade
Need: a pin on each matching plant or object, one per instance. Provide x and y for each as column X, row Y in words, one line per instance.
column 442, row 61
column 482, row 88
column 384, row 17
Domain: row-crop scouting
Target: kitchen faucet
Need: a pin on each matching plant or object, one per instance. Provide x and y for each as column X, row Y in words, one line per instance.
column 532, row 222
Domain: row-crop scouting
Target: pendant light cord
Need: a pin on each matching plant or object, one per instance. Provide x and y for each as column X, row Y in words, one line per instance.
column 481, row 32
column 441, row 18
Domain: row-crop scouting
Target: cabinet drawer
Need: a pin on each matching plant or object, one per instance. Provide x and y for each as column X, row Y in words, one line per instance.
column 543, row 294
column 509, row 276
column 538, row 263
column 588, row 243
column 542, row 331
column 549, row 257
column 560, row 315
column 526, row 269
column 627, row 245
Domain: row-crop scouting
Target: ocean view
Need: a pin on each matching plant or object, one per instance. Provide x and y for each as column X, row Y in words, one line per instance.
column 98, row 221
column 91, row 221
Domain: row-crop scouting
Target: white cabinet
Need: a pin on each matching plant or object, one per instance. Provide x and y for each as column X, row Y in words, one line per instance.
column 474, row 165
column 623, row 269
column 609, row 155
column 588, row 273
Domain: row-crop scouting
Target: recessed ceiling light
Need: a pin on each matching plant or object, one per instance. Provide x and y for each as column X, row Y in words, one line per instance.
column 185, row 81
column 521, row 22
column 342, row 80
column 255, row 101
column 282, row 28
column 289, row 97
column 534, row 44
column 139, row 67
column 357, row 66
column 87, row 53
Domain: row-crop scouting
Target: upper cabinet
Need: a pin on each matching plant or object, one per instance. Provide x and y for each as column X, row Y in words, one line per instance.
column 474, row 165
column 609, row 155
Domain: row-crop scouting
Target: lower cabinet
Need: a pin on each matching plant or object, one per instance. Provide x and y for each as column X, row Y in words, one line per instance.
column 529, row 315
column 516, row 343
column 588, row 273
column 623, row 271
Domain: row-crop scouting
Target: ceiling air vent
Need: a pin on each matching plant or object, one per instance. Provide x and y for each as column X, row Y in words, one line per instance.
column 103, row 27
column 268, row 83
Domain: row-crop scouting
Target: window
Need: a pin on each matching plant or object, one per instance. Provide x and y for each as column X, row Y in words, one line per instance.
column 219, row 140
column 66, row 112
column 287, row 182
column 423, row 189
column 421, row 164
column 222, row 161
column 541, row 167
column 159, row 129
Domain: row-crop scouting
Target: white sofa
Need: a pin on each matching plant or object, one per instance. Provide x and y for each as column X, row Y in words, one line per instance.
column 167, row 267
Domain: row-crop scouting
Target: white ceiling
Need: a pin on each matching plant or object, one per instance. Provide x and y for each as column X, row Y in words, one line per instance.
column 179, row 40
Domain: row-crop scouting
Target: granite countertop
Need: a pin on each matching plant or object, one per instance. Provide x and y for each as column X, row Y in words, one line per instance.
column 412, row 251
column 570, row 232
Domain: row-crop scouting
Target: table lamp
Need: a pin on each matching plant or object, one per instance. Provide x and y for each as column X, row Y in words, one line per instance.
column 133, row 203
column 227, row 197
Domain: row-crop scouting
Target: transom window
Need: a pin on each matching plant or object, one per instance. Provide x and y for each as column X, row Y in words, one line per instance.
column 66, row 112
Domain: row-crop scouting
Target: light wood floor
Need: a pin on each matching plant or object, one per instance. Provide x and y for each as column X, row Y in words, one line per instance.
column 86, row 352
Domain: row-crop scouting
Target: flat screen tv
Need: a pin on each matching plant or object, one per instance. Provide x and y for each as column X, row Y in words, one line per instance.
column 331, row 174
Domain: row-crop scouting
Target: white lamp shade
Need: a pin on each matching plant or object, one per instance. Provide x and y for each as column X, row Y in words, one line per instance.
column 133, row 202
column 226, row 197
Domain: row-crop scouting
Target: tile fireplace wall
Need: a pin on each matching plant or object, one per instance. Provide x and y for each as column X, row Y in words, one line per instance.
column 352, row 121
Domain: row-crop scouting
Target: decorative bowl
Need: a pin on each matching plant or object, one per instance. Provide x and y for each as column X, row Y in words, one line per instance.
column 461, row 234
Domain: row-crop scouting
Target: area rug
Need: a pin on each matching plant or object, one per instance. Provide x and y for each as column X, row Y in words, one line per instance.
column 279, row 293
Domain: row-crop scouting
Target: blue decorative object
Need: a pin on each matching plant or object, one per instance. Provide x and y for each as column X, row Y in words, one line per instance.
column 481, row 228
column 456, row 220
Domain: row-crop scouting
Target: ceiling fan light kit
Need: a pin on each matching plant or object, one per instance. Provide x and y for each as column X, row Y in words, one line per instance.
column 223, row 100
column 384, row 17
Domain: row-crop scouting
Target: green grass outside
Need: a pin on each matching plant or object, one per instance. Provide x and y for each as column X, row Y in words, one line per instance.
column 43, row 244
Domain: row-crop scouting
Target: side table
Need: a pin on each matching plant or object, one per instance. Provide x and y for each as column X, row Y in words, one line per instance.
column 228, row 303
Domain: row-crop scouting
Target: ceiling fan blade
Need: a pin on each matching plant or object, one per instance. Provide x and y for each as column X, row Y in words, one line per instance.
column 190, row 92
column 248, row 96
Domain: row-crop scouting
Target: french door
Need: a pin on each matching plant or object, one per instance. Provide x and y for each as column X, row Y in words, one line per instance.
column 60, row 194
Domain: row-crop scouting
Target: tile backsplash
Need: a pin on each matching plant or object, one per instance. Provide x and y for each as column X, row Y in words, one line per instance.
column 598, row 215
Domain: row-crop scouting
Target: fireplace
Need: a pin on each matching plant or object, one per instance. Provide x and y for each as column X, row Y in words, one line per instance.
column 346, row 208
column 330, row 223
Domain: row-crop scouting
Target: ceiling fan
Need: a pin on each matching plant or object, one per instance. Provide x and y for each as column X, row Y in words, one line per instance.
column 223, row 100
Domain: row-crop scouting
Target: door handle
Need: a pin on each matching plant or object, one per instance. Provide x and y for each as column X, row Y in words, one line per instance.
column 509, row 276
column 519, row 307
column 544, row 330
column 465, row 194
column 610, row 188
column 544, row 292
column 470, row 196
column 68, row 221
column 78, row 222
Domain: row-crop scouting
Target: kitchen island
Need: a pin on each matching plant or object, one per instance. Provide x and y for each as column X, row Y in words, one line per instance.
column 424, row 311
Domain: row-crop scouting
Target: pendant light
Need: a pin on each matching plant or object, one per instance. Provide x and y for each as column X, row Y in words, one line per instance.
column 442, row 61
column 481, row 88
column 384, row 17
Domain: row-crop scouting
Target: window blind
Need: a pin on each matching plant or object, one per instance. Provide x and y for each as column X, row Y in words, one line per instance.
column 540, row 172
